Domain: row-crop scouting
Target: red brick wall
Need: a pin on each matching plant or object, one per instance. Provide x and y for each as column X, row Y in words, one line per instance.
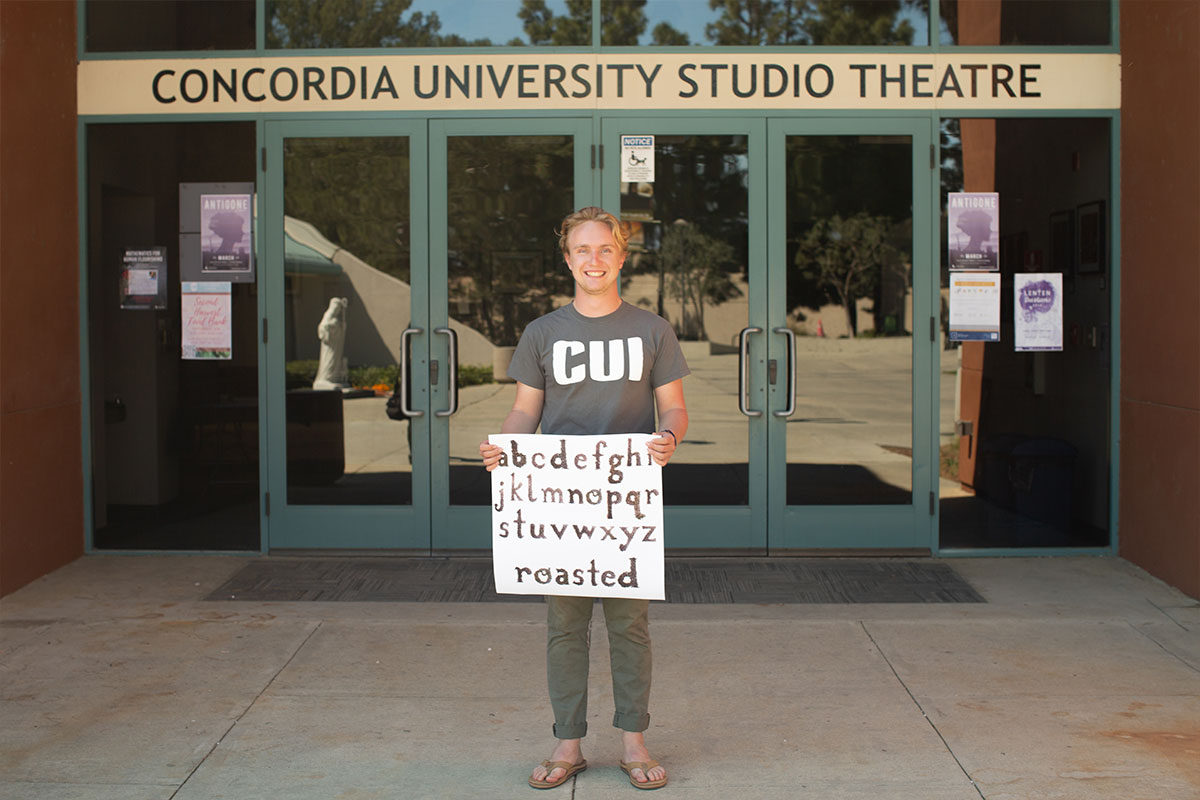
column 1160, row 289
column 41, row 479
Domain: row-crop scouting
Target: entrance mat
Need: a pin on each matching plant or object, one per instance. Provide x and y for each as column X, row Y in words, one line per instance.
column 689, row 580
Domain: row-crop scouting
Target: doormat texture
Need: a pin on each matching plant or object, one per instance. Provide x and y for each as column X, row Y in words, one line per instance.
column 689, row 580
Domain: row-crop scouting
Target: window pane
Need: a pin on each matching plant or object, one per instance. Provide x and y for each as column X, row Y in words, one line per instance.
column 425, row 23
column 738, row 23
column 688, row 262
column 849, row 297
column 141, row 25
column 1026, row 22
column 507, row 196
column 347, row 299
column 1025, row 435
column 174, row 442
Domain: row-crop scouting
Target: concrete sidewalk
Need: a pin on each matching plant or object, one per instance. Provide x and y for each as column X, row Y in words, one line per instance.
column 1079, row 678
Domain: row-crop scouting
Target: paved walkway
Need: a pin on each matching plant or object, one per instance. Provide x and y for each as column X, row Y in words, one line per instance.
column 1079, row 678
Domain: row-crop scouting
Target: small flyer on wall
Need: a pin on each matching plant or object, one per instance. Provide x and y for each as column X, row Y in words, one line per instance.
column 973, row 228
column 975, row 306
column 144, row 278
column 225, row 233
column 207, row 321
column 637, row 159
column 1038, row 311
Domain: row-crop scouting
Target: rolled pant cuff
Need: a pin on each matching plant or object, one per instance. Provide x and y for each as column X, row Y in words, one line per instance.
column 634, row 723
column 577, row 731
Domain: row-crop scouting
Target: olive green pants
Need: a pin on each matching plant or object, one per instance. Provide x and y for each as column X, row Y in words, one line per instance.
column 568, row 637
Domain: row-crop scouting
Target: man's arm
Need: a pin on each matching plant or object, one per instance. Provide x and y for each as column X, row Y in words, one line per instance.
column 673, row 417
column 524, row 417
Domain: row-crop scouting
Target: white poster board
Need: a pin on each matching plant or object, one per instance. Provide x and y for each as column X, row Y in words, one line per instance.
column 637, row 159
column 1038, row 311
column 577, row 515
column 974, row 306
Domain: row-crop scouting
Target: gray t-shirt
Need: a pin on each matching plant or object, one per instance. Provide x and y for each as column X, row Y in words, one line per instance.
column 599, row 373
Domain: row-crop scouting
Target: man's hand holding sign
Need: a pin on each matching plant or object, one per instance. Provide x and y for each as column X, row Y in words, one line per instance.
column 577, row 515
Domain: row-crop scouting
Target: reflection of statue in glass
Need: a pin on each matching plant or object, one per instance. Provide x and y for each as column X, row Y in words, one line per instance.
column 331, row 369
column 977, row 225
column 228, row 226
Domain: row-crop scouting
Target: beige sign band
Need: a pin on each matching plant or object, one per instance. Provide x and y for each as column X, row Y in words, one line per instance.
column 571, row 82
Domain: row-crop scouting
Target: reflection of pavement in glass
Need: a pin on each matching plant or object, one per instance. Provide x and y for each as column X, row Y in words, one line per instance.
column 852, row 398
column 374, row 443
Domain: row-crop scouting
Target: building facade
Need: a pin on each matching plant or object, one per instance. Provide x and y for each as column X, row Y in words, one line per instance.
column 283, row 251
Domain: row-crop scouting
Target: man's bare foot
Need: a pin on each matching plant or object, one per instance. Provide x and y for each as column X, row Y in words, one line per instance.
column 634, row 745
column 568, row 750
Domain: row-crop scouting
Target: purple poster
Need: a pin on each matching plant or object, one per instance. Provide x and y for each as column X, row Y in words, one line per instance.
column 974, row 230
column 225, row 226
column 1038, row 311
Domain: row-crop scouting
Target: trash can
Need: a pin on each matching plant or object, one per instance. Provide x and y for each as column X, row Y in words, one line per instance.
column 1042, row 477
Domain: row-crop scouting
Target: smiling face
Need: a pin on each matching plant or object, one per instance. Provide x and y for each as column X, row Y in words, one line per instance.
column 595, row 259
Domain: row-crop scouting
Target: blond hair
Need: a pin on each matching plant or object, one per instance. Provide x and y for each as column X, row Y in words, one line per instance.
column 619, row 229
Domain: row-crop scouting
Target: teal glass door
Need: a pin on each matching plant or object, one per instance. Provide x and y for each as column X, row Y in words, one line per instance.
column 694, row 193
column 347, row 287
column 852, row 309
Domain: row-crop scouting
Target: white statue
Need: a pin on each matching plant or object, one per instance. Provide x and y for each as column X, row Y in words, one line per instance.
column 332, row 372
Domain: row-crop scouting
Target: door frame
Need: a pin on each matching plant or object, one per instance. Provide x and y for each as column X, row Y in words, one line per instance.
column 852, row 527
column 365, row 527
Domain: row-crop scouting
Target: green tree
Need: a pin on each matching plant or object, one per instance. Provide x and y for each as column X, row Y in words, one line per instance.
column 696, row 268
column 355, row 23
column 621, row 23
column 848, row 255
column 750, row 23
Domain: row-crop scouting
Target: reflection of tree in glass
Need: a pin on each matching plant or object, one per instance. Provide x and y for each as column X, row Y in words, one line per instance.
column 354, row 23
column 748, row 23
column 355, row 192
column 621, row 23
column 848, row 255
column 697, row 268
column 507, row 195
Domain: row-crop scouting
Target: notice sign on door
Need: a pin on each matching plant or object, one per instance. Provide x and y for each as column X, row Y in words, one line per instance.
column 637, row 159
column 577, row 515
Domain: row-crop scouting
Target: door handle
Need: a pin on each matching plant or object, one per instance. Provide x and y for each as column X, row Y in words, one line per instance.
column 791, row 345
column 408, row 412
column 453, row 409
column 743, row 348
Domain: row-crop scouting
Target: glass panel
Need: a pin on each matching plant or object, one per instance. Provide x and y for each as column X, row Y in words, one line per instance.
column 1026, row 22
column 427, row 23
column 688, row 262
column 142, row 25
column 507, row 196
column 174, row 442
column 739, row 23
column 346, row 303
column 1032, row 469
column 849, row 300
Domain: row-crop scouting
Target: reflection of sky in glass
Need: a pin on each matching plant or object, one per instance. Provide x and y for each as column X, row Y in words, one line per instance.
column 690, row 17
column 496, row 20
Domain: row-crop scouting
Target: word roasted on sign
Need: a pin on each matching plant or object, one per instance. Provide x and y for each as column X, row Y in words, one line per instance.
column 577, row 515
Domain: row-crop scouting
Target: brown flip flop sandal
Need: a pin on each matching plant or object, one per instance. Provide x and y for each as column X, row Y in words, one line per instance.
column 645, row 766
column 550, row 766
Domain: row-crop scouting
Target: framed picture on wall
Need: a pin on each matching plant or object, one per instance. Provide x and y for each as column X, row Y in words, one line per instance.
column 1062, row 243
column 1089, row 231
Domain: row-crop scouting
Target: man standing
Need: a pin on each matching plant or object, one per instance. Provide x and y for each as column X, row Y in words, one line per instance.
column 597, row 366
